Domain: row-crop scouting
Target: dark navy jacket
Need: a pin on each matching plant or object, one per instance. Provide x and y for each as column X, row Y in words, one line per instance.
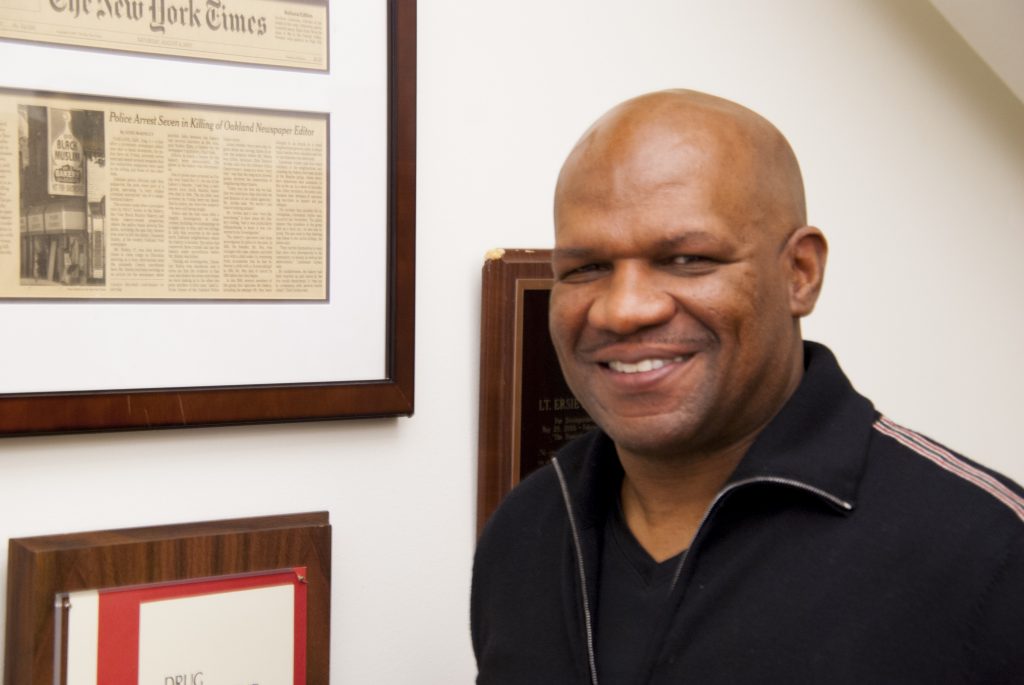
column 844, row 549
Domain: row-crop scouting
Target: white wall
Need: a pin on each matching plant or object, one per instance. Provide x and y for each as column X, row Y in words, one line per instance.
column 992, row 29
column 914, row 159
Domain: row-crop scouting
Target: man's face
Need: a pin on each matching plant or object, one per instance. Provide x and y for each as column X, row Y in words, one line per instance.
column 671, row 307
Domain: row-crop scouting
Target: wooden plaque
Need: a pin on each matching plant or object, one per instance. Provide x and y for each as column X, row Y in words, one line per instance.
column 527, row 412
column 41, row 568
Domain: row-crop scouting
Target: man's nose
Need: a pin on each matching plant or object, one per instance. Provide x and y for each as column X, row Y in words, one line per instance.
column 632, row 299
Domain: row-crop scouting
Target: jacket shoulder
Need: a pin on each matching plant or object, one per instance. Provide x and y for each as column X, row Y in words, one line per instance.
column 516, row 603
column 537, row 500
column 945, row 476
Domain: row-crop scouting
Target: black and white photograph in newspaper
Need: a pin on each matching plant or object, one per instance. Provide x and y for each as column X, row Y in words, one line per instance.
column 63, row 196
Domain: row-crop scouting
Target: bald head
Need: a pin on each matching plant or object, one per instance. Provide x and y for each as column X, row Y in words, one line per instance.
column 674, row 137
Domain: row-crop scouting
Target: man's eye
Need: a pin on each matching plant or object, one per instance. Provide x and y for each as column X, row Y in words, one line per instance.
column 688, row 259
column 692, row 262
column 582, row 273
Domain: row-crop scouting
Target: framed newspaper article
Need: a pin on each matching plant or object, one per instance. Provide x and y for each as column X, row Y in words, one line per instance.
column 189, row 243
column 241, row 601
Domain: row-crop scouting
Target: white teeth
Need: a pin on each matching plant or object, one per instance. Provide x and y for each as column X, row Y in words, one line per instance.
column 642, row 365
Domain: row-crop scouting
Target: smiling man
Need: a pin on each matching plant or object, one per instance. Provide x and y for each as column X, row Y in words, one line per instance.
column 743, row 515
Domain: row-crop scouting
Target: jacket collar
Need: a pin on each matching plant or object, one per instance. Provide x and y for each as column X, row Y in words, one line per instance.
column 818, row 439
column 821, row 435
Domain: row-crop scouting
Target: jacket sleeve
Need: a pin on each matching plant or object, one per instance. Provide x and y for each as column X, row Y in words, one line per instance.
column 998, row 622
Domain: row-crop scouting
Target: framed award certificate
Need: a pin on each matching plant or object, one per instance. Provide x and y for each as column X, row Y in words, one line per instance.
column 240, row 602
column 233, row 629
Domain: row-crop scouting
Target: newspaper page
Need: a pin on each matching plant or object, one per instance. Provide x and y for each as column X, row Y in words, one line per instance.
column 284, row 33
column 127, row 199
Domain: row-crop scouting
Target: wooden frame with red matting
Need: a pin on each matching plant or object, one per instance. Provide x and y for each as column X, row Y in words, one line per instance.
column 39, row 569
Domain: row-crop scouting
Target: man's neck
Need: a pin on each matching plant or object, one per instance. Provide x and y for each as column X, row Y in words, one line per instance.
column 663, row 501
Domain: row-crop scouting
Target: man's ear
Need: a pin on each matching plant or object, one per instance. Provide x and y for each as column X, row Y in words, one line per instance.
column 807, row 252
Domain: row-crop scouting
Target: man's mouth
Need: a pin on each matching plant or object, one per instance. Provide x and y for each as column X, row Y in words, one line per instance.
column 644, row 365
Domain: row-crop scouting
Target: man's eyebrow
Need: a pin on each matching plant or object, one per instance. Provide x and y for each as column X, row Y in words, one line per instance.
column 675, row 242
column 681, row 239
column 571, row 253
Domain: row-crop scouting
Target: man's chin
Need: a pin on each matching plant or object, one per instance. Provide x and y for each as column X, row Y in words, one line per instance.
column 652, row 442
